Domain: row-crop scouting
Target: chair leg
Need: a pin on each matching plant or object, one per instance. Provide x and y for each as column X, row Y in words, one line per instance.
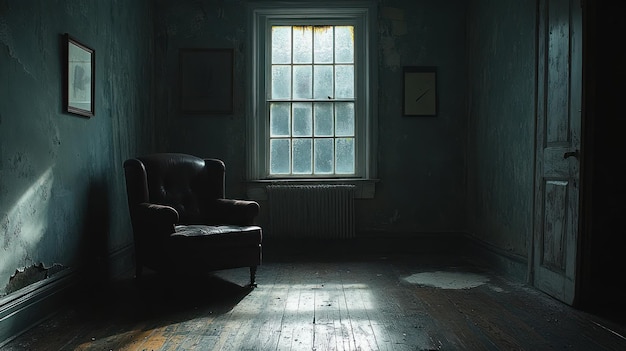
column 253, row 276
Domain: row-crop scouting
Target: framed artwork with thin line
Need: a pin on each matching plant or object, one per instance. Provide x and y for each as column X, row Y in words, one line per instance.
column 419, row 91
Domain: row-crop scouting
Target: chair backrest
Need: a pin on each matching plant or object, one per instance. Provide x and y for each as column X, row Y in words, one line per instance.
column 181, row 181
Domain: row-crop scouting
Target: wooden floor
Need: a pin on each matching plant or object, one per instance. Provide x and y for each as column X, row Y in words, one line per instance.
column 398, row 302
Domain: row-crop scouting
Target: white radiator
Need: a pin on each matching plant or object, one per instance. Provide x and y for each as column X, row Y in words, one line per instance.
column 311, row 211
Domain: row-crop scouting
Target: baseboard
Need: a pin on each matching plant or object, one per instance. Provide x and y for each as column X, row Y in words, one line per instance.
column 29, row 306
column 513, row 267
column 121, row 261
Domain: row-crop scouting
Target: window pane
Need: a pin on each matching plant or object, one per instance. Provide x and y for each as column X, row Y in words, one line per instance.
column 344, row 161
column 311, row 131
column 323, row 83
column 344, row 44
column 302, row 44
column 324, row 156
column 323, row 118
column 279, row 156
column 302, row 119
column 279, row 119
column 281, row 44
column 281, row 82
column 302, row 82
column 302, row 156
column 344, row 80
column 323, row 39
column 344, row 119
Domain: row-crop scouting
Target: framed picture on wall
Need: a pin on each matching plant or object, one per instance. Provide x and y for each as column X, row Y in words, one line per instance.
column 419, row 91
column 206, row 81
column 79, row 88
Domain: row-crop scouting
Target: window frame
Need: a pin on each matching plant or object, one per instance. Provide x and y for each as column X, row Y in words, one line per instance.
column 361, row 15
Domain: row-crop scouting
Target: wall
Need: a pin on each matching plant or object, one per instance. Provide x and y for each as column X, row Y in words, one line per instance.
column 421, row 160
column 501, row 107
column 62, row 192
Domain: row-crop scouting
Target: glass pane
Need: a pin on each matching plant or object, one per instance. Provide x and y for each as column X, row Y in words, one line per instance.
column 344, row 80
column 302, row 119
column 281, row 44
column 344, row 119
column 344, row 162
column 323, row 83
column 323, row 118
column 302, row 156
column 279, row 119
column 279, row 156
column 302, row 82
column 281, row 82
column 323, row 49
column 302, row 44
column 344, row 44
column 324, row 156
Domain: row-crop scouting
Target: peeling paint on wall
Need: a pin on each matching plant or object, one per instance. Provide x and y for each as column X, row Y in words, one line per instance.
column 6, row 39
column 396, row 17
column 29, row 275
column 390, row 54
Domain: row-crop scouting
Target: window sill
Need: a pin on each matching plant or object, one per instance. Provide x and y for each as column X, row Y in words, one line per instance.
column 365, row 188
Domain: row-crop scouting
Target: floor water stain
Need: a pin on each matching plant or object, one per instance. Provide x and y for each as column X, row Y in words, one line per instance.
column 447, row 280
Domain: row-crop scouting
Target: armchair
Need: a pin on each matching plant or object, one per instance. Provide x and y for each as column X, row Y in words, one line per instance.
column 181, row 220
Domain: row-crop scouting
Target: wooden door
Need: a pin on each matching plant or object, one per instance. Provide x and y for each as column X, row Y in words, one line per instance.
column 559, row 112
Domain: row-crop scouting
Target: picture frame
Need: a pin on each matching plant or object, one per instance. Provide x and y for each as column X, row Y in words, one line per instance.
column 79, row 72
column 206, row 80
column 419, row 93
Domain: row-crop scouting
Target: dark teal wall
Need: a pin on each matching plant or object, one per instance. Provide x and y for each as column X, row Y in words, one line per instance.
column 501, row 108
column 421, row 160
column 202, row 24
column 62, row 192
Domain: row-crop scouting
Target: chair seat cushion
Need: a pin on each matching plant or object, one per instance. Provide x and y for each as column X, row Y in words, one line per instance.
column 219, row 234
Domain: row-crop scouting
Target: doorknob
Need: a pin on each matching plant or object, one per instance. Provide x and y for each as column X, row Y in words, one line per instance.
column 570, row 154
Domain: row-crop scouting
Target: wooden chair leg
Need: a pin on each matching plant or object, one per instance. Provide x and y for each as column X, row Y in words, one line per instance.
column 253, row 276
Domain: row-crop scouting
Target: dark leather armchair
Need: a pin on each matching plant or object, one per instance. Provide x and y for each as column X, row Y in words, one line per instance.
column 181, row 220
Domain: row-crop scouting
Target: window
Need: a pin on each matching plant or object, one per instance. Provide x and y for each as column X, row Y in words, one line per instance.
column 311, row 101
column 311, row 107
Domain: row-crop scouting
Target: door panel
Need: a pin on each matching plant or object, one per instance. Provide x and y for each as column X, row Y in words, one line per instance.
column 558, row 141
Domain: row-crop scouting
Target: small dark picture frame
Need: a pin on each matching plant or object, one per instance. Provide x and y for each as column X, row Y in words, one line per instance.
column 79, row 72
column 419, row 93
column 206, row 81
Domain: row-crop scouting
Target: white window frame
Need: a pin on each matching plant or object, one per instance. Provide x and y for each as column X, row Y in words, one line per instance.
column 361, row 14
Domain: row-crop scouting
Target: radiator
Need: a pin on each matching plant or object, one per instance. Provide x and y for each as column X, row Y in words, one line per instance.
column 311, row 211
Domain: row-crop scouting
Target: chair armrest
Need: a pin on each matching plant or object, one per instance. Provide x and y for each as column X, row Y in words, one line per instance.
column 230, row 211
column 153, row 218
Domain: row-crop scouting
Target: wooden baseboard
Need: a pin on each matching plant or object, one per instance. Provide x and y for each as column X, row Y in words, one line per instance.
column 27, row 307
column 511, row 266
column 121, row 261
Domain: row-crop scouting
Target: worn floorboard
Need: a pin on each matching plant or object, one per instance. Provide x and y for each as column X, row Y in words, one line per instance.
column 373, row 302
